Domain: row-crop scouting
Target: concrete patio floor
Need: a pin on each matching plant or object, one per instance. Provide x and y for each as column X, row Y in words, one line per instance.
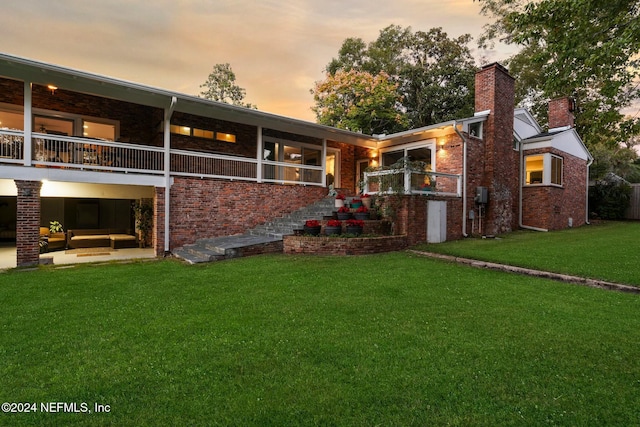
column 61, row 257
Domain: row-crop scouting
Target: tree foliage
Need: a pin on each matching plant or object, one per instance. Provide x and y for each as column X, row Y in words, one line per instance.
column 434, row 75
column 221, row 86
column 610, row 197
column 358, row 101
column 588, row 49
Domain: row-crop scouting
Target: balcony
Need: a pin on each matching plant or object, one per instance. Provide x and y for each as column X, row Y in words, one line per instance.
column 85, row 154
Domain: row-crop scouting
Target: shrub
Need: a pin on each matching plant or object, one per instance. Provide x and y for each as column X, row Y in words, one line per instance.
column 610, row 197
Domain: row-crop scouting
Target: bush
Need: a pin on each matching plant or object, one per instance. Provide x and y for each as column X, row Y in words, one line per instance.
column 610, row 197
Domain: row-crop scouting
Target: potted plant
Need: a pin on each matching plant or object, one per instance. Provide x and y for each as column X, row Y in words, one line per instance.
column 362, row 213
column 143, row 212
column 55, row 227
column 344, row 213
column 333, row 227
column 355, row 226
column 340, row 200
column 366, row 200
column 312, row 227
column 356, row 203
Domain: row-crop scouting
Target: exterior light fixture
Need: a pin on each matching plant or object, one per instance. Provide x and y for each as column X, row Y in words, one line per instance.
column 52, row 88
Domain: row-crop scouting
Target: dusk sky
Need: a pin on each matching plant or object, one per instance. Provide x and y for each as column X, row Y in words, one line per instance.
column 277, row 49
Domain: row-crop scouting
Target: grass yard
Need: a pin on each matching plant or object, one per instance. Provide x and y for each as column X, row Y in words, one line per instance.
column 607, row 251
column 390, row 339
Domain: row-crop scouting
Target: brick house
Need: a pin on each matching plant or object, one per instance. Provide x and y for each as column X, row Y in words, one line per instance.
column 79, row 148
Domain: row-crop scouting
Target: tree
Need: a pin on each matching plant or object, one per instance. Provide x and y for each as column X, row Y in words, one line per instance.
column 587, row 49
column 358, row 101
column 434, row 74
column 610, row 197
column 221, row 86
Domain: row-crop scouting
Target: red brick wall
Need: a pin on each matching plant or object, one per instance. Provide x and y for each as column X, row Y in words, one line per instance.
column 28, row 223
column 246, row 136
column 349, row 155
column 495, row 91
column 138, row 123
column 560, row 113
column 211, row 208
column 550, row 207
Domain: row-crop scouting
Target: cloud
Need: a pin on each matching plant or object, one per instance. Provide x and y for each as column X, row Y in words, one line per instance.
column 277, row 49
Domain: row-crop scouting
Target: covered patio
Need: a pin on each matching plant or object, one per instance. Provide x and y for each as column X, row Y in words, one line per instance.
column 65, row 257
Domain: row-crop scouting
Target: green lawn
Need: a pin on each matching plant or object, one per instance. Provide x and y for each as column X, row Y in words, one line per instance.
column 607, row 251
column 392, row 339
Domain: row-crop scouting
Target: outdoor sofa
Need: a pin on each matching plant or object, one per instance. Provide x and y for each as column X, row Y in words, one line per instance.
column 101, row 238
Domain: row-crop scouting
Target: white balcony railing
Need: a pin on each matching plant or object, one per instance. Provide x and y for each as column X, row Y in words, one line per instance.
column 190, row 163
column 409, row 181
column 65, row 152
column 11, row 146
column 97, row 155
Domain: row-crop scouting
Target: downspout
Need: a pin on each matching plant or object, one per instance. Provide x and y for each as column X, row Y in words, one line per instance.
column 586, row 210
column 520, row 185
column 167, row 171
column 464, row 179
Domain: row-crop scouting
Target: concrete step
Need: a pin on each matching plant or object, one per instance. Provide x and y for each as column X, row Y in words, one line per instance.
column 218, row 248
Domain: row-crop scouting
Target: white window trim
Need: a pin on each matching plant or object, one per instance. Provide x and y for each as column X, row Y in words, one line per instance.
column 546, row 171
column 429, row 143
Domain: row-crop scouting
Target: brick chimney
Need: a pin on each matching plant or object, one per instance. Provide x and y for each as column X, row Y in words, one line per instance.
column 561, row 112
column 495, row 91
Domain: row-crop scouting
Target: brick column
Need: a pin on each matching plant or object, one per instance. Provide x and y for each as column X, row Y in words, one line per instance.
column 28, row 223
column 158, row 221
column 495, row 91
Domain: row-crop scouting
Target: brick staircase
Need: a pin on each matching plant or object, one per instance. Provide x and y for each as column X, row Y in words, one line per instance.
column 264, row 238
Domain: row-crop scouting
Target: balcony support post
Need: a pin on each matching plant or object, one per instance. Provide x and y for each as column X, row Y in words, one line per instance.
column 168, row 112
column 28, row 127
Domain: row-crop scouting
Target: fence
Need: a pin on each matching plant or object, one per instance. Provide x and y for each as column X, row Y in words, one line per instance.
column 633, row 212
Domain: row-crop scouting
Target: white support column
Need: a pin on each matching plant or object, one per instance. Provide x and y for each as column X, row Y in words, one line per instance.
column 168, row 112
column 259, row 154
column 324, row 162
column 28, row 127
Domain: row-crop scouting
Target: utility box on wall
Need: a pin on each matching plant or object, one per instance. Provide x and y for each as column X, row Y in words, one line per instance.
column 482, row 195
column 436, row 221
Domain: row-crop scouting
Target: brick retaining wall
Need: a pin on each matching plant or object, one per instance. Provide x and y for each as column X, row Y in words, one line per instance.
column 343, row 245
column 214, row 208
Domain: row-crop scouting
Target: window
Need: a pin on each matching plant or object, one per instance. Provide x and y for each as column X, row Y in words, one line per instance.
column 11, row 120
column 99, row 130
column 543, row 169
column 416, row 154
column 201, row 133
column 225, row 137
column 556, row 170
column 534, row 169
column 181, row 130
